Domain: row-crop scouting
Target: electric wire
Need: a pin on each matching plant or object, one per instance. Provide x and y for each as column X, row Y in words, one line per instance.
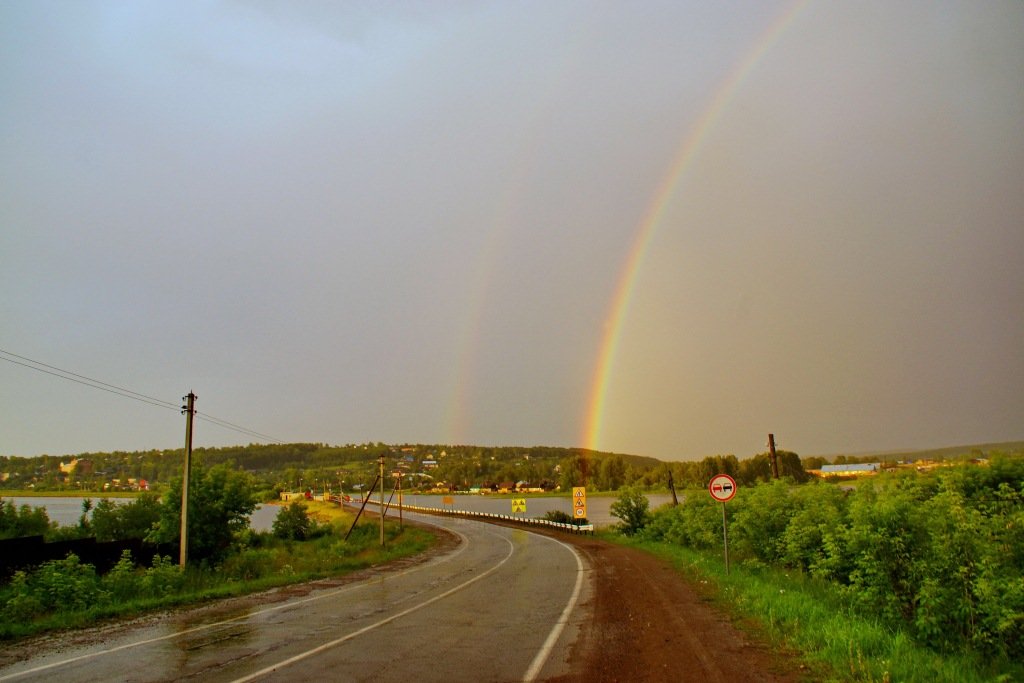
column 149, row 399
column 156, row 402
column 61, row 373
column 242, row 430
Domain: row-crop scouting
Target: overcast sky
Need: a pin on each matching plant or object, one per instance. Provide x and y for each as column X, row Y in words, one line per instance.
column 409, row 222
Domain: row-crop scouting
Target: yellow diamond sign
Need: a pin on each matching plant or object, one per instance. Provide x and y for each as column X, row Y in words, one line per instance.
column 579, row 502
column 518, row 505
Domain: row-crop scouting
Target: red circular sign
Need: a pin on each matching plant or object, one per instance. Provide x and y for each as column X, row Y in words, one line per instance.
column 722, row 487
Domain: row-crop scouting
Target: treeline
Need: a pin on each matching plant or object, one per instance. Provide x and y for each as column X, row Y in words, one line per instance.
column 289, row 467
column 308, row 465
column 938, row 556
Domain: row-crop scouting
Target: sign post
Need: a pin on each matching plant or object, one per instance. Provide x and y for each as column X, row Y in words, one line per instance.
column 579, row 503
column 722, row 488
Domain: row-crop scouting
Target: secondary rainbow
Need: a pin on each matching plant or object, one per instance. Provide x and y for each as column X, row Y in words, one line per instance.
column 688, row 151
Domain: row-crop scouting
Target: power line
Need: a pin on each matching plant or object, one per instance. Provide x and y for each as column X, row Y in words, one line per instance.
column 242, row 430
column 95, row 385
column 39, row 366
column 139, row 396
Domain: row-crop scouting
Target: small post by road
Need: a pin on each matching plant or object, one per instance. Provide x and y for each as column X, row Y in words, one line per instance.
column 725, row 539
column 722, row 488
column 189, row 409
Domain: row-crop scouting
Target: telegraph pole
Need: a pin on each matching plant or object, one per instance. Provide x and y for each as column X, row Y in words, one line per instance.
column 381, row 499
column 189, row 409
column 774, row 456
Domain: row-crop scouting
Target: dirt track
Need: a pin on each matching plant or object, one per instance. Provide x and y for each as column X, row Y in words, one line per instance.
column 649, row 624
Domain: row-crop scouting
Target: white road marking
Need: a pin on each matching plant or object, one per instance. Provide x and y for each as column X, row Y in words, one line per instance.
column 382, row 622
column 545, row 651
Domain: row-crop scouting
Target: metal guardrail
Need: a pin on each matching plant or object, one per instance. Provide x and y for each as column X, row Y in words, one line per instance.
column 528, row 521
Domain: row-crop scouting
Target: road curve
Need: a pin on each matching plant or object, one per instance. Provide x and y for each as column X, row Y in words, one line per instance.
column 501, row 606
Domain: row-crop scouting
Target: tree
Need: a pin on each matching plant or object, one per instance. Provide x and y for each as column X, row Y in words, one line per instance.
column 220, row 502
column 813, row 462
column 575, row 471
column 791, row 466
column 755, row 469
column 611, row 474
column 293, row 522
column 113, row 522
column 17, row 522
column 718, row 464
column 632, row 508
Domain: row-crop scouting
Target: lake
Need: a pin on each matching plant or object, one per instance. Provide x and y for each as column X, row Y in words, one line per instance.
column 66, row 510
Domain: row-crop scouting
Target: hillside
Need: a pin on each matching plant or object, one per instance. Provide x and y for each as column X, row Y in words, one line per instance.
column 943, row 453
column 308, row 465
column 352, row 467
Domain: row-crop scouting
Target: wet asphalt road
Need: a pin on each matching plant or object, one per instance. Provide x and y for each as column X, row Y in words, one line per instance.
column 504, row 605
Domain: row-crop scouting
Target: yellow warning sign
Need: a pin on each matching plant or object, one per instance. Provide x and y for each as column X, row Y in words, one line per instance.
column 579, row 502
column 518, row 505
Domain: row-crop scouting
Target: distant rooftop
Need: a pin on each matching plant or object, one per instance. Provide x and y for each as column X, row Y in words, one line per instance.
column 860, row 467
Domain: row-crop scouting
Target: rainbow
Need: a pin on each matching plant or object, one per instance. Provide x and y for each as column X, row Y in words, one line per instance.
column 456, row 418
column 688, row 152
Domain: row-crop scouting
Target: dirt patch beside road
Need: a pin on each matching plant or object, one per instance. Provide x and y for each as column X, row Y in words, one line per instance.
column 649, row 624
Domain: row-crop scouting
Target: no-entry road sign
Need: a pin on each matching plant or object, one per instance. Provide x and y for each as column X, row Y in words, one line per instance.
column 722, row 487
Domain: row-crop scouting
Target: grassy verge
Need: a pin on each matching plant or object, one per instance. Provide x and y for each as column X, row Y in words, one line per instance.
column 262, row 562
column 800, row 614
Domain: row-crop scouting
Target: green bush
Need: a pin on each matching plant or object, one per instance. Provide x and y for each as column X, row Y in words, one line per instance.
column 632, row 507
column 163, row 578
column 558, row 516
column 758, row 526
column 695, row 523
column 293, row 522
column 123, row 582
column 54, row 585
column 21, row 605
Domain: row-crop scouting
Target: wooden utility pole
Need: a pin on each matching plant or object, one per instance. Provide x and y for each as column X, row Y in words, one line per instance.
column 774, row 456
column 381, row 476
column 189, row 409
